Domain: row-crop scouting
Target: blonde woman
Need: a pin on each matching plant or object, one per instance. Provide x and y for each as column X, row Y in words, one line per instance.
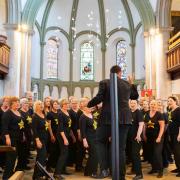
column 63, row 134
column 12, row 125
column 155, row 136
column 40, row 130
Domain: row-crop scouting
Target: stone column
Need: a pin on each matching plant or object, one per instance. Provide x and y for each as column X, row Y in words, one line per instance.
column 157, row 78
column 163, row 80
column 12, row 80
column 25, row 75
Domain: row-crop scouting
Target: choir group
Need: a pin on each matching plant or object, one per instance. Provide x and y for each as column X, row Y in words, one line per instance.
column 63, row 133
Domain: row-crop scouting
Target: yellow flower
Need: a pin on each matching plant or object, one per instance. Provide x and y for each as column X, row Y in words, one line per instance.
column 21, row 124
column 95, row 125
column 69, row 123
column 56, row 121
column 29, row 119
column 46, row 125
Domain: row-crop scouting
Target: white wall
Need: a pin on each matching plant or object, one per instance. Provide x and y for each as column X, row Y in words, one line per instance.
column 154, row 4
column 23, row 2
column 46, row 92
column 87, row 92
column 1, row 88
column 97, row 58
column 41, row 12
column 55, row 93
column 140, row 55
column 135, row 13
column 176, row 86
column 64, row 93
column 77, row 92
column 88, row 8
column 60, row 14
column 35, row 61
column 111, row 52
column 112, row 15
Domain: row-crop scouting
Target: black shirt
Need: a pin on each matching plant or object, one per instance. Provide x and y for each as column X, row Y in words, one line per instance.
column 12, row 125
column 88, row 126
column 174, row 123
column 137, row 117
column 53, row 117
column 40, row 127
column 152, row 125
column 144, row 113
column 79, row 113
column 1, row 113
column 74, row 119
column 64, row 124
column 27, row 118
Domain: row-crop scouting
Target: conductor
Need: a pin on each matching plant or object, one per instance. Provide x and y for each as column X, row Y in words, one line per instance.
column 126, row 90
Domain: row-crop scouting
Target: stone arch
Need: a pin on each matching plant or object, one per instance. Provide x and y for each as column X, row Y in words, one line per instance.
column 146, row 13
column 163, row 13
column 30, row 12
column 14, row 11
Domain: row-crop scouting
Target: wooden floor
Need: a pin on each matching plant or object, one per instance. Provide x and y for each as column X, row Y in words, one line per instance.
column 79, row 176
column 146, row 168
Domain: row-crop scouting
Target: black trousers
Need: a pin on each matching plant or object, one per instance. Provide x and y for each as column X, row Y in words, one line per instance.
column 62, row 157
column 41, row 158
column 54, row 152
column 103, row 134
column 22, row 157
column 10, row 160
column 92, row 162
column 80, row 153
column 136, row 158
column 155, row 154
column 2, row 154
column 176, row 150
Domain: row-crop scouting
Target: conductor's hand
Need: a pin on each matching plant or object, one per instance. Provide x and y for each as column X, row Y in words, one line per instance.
column 85, row 143
column 8, row 141
column 130, row 79
column 38, row 144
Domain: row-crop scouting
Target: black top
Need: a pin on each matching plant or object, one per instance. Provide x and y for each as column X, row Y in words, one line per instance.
column 79, row 113
column 152, row 125
column 27, row 118
column 137, row 117
column 12, row 125
column 74, row 119
column 40, row 127
column 53, row 117
column 1, row 113
column 144, row 114
column 88, row 126
column 64, row 124
column 174, row 123
column 126, row 91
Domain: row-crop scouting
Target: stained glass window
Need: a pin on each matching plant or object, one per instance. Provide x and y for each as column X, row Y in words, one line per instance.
column 121, row 57
column 87, row 61
column 52, row 59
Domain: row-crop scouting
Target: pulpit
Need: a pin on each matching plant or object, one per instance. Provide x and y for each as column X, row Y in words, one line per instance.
column 4, row 56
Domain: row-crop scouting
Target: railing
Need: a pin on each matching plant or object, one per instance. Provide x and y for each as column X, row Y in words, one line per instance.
column 4, row 56
column 40, row 84
column 173, row 55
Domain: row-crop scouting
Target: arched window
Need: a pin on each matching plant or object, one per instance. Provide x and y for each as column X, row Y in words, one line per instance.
column 121, row 58
column 87, row 61
column 52, row 59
